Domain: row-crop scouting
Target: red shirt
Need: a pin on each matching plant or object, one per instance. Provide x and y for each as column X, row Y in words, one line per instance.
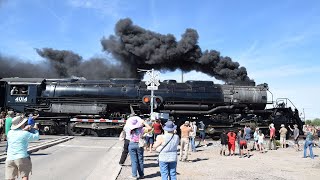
column 231, row 137
column 272, row 132
column 157, row 128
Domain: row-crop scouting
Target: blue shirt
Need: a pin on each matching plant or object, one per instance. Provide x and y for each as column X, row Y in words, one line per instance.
column 247, row 131
column 169, row 153
column 18, row 143
column 31, row 121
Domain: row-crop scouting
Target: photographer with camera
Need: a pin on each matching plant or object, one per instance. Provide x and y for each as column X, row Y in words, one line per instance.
column 18, row 162
column 185, row 131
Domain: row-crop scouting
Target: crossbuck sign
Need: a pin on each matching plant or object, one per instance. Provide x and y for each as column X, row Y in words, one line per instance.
column 153, row 81
column 152, row 84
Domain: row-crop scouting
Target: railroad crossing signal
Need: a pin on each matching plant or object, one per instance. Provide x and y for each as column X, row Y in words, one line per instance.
column 152, row 84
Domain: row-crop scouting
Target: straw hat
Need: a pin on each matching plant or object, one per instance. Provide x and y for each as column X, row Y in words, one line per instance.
column 18, row 122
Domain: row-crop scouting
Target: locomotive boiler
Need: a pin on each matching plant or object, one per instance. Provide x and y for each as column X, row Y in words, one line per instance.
column 78, row 107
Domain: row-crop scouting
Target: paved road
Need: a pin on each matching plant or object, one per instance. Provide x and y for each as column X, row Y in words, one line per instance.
column 79, row 158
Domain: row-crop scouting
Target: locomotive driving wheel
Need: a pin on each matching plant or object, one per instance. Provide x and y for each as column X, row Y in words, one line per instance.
column 75, row 131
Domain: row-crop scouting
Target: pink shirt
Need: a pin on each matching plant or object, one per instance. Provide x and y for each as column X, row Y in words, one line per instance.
column 272, row 132
column 136, row 134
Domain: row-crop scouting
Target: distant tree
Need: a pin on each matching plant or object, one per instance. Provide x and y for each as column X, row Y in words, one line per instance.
column 315, row 122
column 308, row 122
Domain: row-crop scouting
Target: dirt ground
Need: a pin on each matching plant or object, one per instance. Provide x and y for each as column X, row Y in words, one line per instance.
column 208, row 164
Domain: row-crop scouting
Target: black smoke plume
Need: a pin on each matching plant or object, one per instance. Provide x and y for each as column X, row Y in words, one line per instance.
column 14, row 67
column 136, row 47
column 67, row 64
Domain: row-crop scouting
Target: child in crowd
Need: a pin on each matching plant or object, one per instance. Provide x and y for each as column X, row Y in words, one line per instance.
column 261, row 141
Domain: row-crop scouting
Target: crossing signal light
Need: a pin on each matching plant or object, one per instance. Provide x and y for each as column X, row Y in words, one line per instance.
column 146, row 99
column 157, row 100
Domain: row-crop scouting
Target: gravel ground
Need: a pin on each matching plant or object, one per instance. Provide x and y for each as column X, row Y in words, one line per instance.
column 208, row 164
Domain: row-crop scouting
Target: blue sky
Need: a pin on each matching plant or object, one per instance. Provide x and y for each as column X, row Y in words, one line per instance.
column 277, row 41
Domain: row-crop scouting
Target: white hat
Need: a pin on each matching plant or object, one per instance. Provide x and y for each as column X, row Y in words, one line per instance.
column 282, row 125
column 134, row 122
column 17, row 122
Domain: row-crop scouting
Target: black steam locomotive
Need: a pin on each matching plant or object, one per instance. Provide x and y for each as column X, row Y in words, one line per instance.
column 80, row 107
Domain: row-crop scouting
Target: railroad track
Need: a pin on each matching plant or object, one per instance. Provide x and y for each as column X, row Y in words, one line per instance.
column 44, row 145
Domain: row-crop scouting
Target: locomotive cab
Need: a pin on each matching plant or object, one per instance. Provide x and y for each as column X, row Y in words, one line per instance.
column 19, row 92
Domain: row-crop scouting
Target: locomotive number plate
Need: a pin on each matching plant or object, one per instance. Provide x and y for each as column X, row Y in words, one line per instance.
column 21, row 99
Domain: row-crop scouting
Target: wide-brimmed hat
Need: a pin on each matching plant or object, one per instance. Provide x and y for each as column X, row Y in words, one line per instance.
column 134, row 122
column 169, row 126
column 18, row 122
column 282, row 125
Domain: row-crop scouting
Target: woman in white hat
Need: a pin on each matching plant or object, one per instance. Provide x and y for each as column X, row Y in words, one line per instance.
column 18, row 161
column 168, row 145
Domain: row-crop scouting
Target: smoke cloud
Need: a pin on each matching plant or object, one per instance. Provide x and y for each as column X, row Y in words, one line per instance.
column 13, row 67
column 67, row 64
column 136, row 47
column 132, row 47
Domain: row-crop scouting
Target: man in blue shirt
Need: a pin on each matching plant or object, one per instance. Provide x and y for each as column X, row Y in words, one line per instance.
column 31, row 119
column 18, row 161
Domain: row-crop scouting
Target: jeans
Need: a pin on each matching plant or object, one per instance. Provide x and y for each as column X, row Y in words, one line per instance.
column 306, row 145
column 136, row 155
column 125, row 151
column 193, row 144
column 168, row 169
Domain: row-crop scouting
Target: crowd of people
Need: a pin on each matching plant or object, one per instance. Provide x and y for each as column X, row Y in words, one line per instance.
column 151, row 135
column 18, row 131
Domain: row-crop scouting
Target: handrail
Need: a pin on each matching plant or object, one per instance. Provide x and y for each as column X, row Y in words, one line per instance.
column 286, row 102
column 268, row 102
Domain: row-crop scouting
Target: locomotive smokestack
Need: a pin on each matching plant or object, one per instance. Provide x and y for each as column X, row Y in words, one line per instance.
column 137, row 47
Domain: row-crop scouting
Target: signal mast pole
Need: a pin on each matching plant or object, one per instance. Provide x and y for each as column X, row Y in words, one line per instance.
column 152, row 84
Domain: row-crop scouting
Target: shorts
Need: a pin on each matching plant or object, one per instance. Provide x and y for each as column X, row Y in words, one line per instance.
column 232, row 146
column 282, row 139
column 14, row 168
column 243, row 144
column 202, row 135
column 223, row 147
column 149, row 140
column 296, row 141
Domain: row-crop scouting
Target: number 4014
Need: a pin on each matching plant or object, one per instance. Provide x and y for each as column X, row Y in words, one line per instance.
column 21, row 99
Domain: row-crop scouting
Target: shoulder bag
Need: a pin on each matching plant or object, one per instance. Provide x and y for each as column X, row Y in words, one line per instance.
column 163, row 148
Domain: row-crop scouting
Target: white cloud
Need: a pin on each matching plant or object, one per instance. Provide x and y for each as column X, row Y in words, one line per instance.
column 104, row 7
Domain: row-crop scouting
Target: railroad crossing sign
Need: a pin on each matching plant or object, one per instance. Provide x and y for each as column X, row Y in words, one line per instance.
column 154, row 78
column 152, row 84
